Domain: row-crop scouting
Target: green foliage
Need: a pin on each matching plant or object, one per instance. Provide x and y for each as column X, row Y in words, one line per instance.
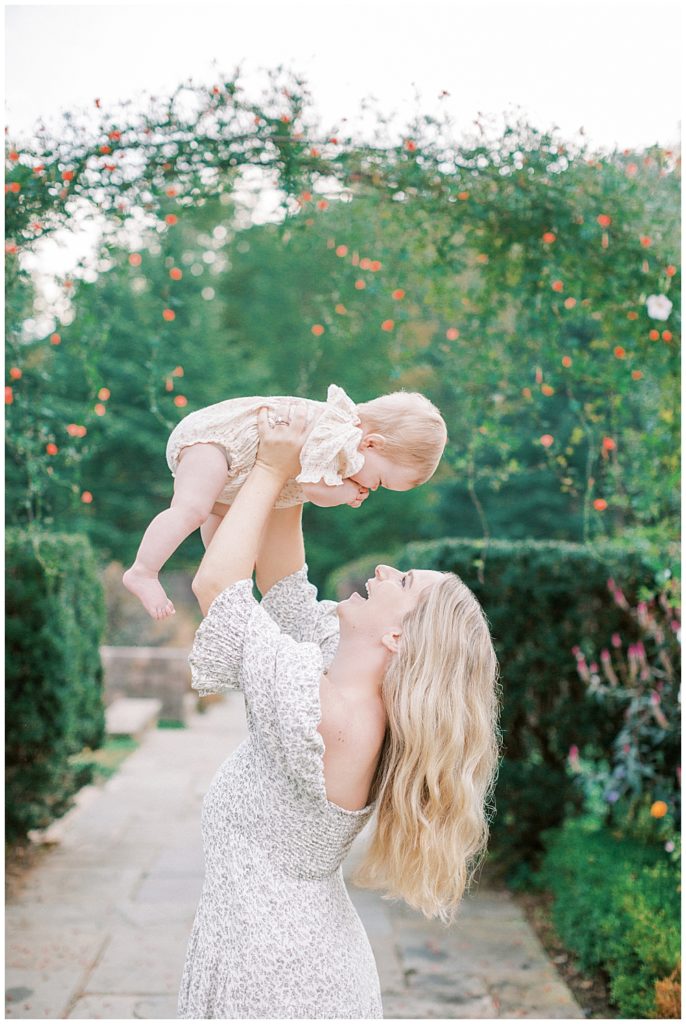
column 53, row 703
column 617, row 907
column 559, row 403
column 539, row 598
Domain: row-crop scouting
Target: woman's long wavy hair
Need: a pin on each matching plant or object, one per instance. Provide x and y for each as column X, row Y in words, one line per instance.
column 441, row 755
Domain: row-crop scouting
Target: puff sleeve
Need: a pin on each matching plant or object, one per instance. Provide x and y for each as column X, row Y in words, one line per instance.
column 330, row 453
column 292, row 603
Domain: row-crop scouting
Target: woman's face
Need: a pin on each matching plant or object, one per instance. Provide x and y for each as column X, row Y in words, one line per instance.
column 391, row 594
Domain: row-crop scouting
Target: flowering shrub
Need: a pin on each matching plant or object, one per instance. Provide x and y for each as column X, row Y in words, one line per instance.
column 642, row 775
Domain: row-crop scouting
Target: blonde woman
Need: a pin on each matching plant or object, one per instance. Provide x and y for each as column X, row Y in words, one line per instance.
column 385, row 704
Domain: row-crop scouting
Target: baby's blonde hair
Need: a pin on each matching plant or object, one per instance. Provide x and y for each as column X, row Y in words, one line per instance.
column 414, row 430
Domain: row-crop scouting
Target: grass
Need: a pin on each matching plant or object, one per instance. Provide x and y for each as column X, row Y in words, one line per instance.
column 105, row 761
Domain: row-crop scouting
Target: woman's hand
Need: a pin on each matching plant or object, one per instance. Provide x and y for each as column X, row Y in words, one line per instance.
column 282, row 439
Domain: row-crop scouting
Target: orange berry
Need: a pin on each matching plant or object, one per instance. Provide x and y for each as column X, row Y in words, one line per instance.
column 452, row 334
column 169, row 384
column 546, row 440
column 547, row 389
column 38, row 168
column 105, row 149
column 388, row 325
column 181, row 401
column 667, row 335
column 654, row 335
column 14, row 186
column 463, row 195
column 171, row 192
column 340, row 308
column 86, row 497
column 104, row 394
column 375, row 265
column 322, row 204
column 55, row 339
column 176, row 274
column 620, row 352
column 566, row 361
column 398, row 294
column 67, row 175
column 557, row 286
column 100, row 409
column 646, row 241
column 177, row 371
column 341, row 250
column 306, row 196
column 360, row 284
column 570, row 303
column 9, row 395
column 410, row 145
column 317, row 330
column 314, row 152
column 604, row 220
column 333, row 140
column 365, row 263
column 609, row 444
column 600, row 504
column 171, row 218
column 10, row 248
column 169, row 314
column 135, row 259
column 68, row 284
column 632, row 315
column 482, row 258
column 636, row 374
column 631, row 169
column 659, row 809
column 51, row 448
column 15, row 373
column 549, row 237
column 13, row 155
column 526, row 392
column 670, row 271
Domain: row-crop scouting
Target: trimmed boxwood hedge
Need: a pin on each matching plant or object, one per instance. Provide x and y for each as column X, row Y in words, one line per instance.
column 55, row 618
column 541, row 598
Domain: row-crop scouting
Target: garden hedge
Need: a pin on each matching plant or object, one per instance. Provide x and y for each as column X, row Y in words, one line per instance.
column 55, row 617
column 617, row 907
column 541, row 598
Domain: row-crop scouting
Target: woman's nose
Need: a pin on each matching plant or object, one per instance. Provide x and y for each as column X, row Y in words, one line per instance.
column 382, row 572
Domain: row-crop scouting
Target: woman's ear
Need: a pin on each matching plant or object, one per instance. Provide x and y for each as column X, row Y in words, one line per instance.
column 372, row 441
column 391, row 641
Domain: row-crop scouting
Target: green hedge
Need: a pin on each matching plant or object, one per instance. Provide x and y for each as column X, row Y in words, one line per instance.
column 541, row 598
column 617, row 907
column 55, row 617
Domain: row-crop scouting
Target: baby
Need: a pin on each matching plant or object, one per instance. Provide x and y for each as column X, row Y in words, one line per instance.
column 394, row 441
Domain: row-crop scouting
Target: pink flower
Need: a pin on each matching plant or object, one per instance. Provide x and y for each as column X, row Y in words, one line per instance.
column 604, row 654
column 576, row 650
column 626, row 748
column 573, row 751
column 654, row 697
column 611, row 585
column 593, row 666
column 616, row 640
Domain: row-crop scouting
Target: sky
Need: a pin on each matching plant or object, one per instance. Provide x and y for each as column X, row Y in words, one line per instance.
column 609, row 67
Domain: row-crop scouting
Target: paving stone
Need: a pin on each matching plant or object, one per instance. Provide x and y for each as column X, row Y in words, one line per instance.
column 148, row 962
column 37, row 994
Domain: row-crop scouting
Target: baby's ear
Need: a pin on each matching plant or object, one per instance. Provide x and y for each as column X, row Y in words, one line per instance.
column 372, row 441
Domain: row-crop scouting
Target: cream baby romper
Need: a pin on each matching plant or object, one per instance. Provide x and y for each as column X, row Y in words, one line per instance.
column 330, row 453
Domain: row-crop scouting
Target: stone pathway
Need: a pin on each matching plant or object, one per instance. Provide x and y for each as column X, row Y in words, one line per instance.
column 98, row 928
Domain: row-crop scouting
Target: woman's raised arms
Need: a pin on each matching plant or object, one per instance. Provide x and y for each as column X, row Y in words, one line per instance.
column 234, row 549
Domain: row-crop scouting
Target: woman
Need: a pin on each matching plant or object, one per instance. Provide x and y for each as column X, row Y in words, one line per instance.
column 387, row 703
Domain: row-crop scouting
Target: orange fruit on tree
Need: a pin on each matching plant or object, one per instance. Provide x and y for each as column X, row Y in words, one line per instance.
column 398, row 294
column 600, row 504
column 604, row 220
column 181, row 401
column 557, row 286
column 168, row 314
column 388, row 325
column 317, row 330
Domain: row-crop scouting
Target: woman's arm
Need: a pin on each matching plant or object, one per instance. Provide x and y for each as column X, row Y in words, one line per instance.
column 235, row 546
column 282, row 551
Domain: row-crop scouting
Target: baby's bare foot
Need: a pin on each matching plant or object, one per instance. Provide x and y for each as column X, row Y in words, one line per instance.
column 149, row 591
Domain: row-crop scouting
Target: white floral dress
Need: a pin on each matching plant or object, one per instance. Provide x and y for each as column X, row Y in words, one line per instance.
column 275, row 933
column 329, row 454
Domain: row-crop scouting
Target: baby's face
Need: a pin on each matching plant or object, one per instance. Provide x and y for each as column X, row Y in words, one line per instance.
column 380, row 471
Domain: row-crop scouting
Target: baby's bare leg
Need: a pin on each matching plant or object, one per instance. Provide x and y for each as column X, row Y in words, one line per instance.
column 200, row 477
column 328, row 496
column 212, row 523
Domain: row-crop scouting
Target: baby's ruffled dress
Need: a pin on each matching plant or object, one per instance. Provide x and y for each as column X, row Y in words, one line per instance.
column 330, row 453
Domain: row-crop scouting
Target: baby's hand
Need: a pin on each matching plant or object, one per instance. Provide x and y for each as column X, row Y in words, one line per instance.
column 326, row 496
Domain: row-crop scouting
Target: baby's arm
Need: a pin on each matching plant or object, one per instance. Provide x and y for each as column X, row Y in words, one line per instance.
column 327, row 495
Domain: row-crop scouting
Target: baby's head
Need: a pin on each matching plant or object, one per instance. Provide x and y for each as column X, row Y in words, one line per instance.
column 403, row 439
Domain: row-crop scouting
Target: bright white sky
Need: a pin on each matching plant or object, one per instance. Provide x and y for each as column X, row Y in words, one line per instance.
column 611, row 66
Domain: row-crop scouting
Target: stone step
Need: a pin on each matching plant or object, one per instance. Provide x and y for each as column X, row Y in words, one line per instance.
column 132, row 716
